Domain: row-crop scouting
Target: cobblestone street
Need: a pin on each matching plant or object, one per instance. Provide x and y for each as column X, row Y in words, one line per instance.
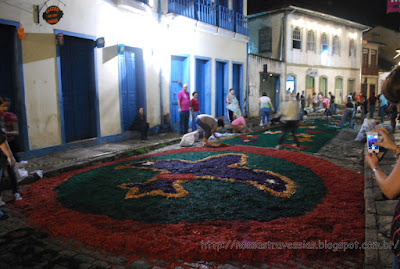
column 22, row 246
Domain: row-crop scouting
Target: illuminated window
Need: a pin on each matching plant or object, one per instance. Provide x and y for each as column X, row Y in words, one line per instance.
column 324, row 43
column 311, row 41
column 352, row 48
column 296, row 38
column 336, row 45
column 265, row 40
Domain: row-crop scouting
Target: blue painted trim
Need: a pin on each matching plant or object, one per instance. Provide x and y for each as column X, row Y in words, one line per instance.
column 208, row 81
column 96, row 98
column 202, row 58
column 8, row 22
column 241, row 84
column 61, row 100
column 121, row 67
column 24, row 120
column 226, row 82
column 25, row 137
column 247, row 80
column 56, row 31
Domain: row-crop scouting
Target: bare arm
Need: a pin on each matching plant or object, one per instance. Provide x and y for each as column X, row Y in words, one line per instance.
column 390, row 185
column 6, row 150
column 270, row 103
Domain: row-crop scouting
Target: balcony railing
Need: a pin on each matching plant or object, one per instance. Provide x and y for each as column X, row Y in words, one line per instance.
column 241, row 24
column 206, row 12
column 182, row 7
column 369, row 70
column 211, row 13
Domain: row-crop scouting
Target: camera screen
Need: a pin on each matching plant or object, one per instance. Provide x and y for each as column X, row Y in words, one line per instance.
column 372, row 139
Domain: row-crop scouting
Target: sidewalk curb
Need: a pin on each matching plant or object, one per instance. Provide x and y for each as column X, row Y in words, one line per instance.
column 106, row 157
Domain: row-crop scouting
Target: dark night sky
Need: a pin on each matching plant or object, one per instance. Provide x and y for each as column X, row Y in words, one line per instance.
column 368, row 12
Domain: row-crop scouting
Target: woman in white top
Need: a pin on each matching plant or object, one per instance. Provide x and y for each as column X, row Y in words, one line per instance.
column 266, row 106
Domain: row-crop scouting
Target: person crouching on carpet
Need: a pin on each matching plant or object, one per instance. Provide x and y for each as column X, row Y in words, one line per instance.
column 209, row 124
column 390, row 185
column 239, row 125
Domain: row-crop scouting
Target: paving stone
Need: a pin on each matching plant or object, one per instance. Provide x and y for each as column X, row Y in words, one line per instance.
column 384, row 223
column 83, row 258
column 101, row 264
column 370, row 221
column 248, row 267
column 385, row 257
column 140, row 265
column 84, row 266
column 386, row 207
column 228, row 266
column 370, row 207
column 68, row 253
column 159, row 262
column 115, row 260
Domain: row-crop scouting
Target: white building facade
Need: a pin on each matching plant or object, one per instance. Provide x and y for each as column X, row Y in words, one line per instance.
column 321, row 53
column 66, row 87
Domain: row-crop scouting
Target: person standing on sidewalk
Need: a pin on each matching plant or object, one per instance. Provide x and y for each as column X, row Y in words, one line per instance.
column 11, row 122
column 184, row 107
column 231, row 100
column 6, row 157
column 389, row 184
column 195, row 108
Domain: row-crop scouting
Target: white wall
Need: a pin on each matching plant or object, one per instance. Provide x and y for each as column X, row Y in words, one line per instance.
column 140, row 29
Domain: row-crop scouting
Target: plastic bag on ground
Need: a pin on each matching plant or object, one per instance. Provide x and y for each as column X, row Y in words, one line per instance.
column 367, row 126
column 189, row 139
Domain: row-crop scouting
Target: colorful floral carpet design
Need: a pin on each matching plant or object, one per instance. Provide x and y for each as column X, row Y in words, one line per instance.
column 312, row 135
column 234, row 196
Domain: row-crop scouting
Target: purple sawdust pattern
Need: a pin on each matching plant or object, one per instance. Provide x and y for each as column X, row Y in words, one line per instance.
column 227, row 167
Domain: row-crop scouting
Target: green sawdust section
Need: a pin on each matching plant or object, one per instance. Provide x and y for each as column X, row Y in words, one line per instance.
column 313, row 135
column 97, row 192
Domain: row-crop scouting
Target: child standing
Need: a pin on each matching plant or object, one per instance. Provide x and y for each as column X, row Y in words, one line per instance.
column 11, row 124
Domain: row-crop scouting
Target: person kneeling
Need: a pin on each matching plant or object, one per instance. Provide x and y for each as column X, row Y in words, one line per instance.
column 239, row 125
column 209, row 124
column 140, row 124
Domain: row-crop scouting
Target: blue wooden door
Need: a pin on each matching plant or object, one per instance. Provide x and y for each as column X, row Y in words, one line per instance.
column 78, row 88
column 9, row 74
column 221, row 89
column 203, row 85
column 237, row 82
column 179, row 76
column 128, row 87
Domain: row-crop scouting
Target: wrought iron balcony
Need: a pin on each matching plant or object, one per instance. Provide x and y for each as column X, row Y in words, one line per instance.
column 211, row 13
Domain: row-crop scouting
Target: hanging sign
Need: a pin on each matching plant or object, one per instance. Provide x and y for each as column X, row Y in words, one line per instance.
column 53, row 15
column 393, row 6
column 312, row 73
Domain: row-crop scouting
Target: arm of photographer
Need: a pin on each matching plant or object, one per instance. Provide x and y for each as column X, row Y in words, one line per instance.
column 390, row 185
